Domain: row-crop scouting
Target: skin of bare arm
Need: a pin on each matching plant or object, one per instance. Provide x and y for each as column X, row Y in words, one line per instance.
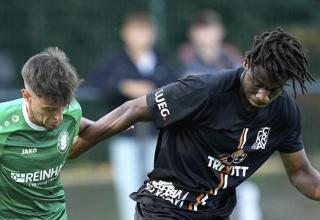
column 84, row 123
column 117, row 121
column 301, row 174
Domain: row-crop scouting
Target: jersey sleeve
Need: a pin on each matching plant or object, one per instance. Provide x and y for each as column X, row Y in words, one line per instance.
column 185, row 99
column 293, row 140
column 74, row 109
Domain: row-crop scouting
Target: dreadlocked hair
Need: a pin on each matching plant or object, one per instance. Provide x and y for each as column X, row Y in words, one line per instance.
column 281, row 55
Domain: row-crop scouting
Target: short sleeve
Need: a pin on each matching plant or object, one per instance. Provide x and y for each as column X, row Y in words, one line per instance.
column 74, row 109
column 185, row 99
column 292, row 141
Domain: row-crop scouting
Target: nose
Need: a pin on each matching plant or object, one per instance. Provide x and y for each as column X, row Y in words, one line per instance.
column 263, row 96
column 58, row 116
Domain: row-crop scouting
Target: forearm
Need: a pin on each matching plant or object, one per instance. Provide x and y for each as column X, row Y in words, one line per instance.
column 308, row 182
column 111, row 124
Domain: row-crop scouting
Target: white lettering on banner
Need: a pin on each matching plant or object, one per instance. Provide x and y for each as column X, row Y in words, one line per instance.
column 34, row 177
column 162, row 105
column 216, row 164
column 167, row 191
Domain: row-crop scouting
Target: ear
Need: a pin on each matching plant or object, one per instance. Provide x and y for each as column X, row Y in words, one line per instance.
column 245, row 63
column 26, row 95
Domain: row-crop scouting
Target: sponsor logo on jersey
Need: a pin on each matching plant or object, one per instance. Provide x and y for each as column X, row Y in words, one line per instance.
column 63, row 141
column 262, row 139
column 218, row 165
column 178, row 197
column 29, row 151
column 235, row 158
column 167, row 191
column 40, row 176
column 162, row 104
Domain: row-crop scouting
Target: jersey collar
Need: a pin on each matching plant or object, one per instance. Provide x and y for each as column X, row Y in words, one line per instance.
column 26, row 118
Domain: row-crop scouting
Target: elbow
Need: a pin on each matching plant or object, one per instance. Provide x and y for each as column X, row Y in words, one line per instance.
column 294, row 181
column 307, row 182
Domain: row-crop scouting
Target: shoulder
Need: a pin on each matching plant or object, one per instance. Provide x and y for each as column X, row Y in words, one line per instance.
column 74, row 109
column 10, row 106
column 288, row 102
column 288, row 109
column 222, row 81
column 208, row 85
column 11, row 113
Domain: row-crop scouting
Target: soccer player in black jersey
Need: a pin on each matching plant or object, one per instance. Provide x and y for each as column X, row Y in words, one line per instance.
column 216, row 130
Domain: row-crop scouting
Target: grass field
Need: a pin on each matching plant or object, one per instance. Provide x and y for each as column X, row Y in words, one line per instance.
column 90, row 195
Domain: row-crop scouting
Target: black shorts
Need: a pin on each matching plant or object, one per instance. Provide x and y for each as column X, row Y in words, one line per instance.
column 150, row 212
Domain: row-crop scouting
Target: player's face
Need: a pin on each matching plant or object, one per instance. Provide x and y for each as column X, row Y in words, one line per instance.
column 259, row 88
column 43, row 111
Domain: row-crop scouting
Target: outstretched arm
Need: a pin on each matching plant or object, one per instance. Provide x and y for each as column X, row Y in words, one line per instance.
column 301, row 174
column 84, row 124
column 111, row 124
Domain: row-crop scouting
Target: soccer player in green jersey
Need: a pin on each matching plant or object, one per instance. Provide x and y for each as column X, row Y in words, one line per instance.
column 36, row 133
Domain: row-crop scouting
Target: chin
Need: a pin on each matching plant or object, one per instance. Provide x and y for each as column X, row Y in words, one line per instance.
column 254, row 104
column 51, row 126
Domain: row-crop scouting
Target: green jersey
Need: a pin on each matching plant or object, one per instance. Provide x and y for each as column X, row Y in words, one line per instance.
column 31, row 159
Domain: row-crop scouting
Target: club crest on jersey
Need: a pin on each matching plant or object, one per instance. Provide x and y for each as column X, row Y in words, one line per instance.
column 262, row 139
column 63, row 141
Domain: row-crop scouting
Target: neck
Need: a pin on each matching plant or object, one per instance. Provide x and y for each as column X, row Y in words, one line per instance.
column 30, row 114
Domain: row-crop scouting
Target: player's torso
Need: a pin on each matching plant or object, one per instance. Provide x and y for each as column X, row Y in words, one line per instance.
column 199, row 164
column 228, row 140
column 36, row 157
column 31, row 159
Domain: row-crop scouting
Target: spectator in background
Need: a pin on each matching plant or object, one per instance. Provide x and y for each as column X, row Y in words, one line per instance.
column 133, row 71
column 207, row 53
column 7, row 70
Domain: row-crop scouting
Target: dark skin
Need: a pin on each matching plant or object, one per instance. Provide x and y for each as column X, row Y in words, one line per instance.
column 257, row 90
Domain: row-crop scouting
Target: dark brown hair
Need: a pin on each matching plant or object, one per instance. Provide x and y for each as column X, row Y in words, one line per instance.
column 49, row 74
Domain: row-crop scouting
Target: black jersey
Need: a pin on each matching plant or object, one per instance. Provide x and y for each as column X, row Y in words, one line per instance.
column 209, row 142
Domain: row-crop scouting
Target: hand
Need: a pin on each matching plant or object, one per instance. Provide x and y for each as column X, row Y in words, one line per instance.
column 129, row 129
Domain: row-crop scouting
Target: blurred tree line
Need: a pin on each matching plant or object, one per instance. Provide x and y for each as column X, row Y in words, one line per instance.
column 87, row 30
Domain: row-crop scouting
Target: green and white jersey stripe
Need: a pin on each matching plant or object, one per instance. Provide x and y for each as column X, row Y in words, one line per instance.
column 31, row 159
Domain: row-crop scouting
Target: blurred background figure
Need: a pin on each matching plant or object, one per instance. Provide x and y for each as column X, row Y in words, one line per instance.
column 86, row 31
column 7, row 69
column 206, row 52
column 133, row 71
